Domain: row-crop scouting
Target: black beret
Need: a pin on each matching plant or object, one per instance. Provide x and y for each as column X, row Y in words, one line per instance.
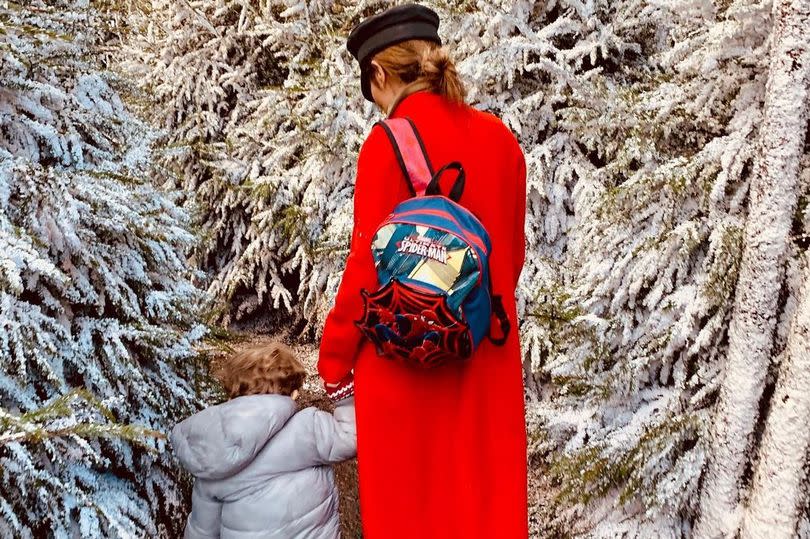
column 392, row 26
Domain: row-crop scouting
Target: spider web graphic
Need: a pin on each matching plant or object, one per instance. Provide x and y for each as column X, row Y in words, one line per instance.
column 426, row 332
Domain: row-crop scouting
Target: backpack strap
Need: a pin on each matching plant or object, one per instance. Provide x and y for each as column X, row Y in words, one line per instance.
column 499, row 313
column 410, row 152
column 498, row 316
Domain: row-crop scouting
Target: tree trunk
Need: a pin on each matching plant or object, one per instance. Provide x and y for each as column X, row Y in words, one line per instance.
column 773, row 196
column 779, row 480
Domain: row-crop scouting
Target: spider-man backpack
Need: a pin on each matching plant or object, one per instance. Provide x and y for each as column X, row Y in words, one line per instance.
column 435, row 302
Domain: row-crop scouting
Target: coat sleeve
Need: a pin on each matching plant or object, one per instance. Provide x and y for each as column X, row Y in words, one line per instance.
column 519, row 257
column 373, row 201
column 333, row 437
column 205, row 519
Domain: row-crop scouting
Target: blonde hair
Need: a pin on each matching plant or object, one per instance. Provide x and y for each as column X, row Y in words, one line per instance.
column 267, row 369
column 422, row 65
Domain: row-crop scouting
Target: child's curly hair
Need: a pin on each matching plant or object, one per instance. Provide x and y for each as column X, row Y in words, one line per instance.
column 270, row 369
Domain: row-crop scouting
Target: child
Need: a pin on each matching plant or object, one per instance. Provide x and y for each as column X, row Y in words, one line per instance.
column 262, row 467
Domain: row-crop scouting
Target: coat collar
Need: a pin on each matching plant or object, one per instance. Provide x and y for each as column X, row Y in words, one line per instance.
column 415, row 101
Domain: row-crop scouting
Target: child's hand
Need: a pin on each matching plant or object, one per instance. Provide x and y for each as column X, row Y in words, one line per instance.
column 341, row 390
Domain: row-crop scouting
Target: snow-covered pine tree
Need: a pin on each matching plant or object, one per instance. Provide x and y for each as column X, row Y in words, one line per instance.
column 778, row 504
column 639, row 119
column 774, row 193
column 264, row 116
column 286, row 146
column 300, row 146
column 97, row 309
column 636, row 327
column 778, row 490
column 204, row 62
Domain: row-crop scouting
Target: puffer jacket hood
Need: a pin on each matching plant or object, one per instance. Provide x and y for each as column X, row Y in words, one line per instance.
column 262, row 468
column 220, row 441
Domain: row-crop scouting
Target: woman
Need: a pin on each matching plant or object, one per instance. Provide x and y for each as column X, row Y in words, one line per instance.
column 442, row 451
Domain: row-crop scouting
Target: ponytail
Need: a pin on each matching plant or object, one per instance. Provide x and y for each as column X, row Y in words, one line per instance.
column 439, row 71
column 422, row 65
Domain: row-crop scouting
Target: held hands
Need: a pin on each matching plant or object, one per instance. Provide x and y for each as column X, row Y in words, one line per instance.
column 341, row 390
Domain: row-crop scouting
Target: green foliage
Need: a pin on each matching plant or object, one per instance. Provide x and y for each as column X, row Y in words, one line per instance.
column 595, row 471
column 57, row 419
column 725, row 267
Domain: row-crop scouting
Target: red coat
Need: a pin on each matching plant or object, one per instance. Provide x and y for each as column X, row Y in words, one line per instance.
column 441, row 452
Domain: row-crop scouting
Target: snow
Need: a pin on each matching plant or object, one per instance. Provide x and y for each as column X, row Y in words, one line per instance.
column 774, row 193
column 654, row 131
column 86, row 238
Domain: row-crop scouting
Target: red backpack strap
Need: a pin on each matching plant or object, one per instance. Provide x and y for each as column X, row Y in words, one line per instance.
column 410, row 152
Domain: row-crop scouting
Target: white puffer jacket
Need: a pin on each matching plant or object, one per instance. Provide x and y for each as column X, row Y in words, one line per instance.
column 262, row 468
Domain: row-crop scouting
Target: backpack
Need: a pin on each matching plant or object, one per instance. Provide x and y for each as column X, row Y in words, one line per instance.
column 435, row 301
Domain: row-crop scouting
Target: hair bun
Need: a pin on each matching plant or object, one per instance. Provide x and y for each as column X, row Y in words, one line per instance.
column 434, row 63
column 422, row 65
column 440, row 73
